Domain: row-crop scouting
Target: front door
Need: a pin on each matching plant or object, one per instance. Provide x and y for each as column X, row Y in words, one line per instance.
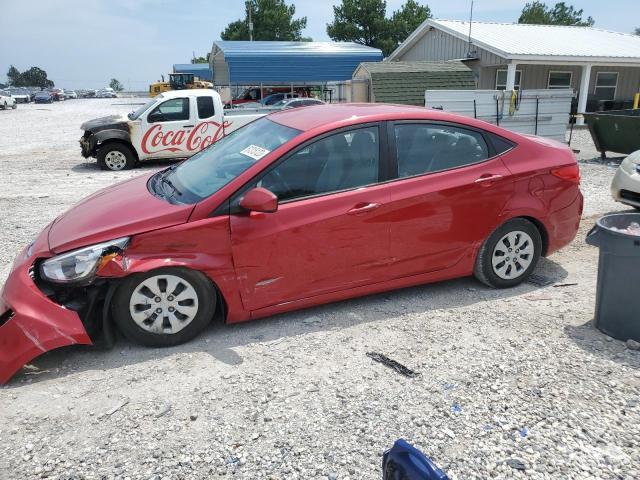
column 330, row 231
column 166, row 130
column 448, row 198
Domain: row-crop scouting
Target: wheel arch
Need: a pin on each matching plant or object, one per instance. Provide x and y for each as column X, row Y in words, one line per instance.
column 544, row 234
column 117, row 140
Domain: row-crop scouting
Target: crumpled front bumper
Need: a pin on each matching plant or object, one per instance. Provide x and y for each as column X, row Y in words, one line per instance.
column 32, row 324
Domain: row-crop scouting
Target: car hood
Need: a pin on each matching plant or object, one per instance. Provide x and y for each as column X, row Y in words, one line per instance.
column 124, row 209
column 112, row 121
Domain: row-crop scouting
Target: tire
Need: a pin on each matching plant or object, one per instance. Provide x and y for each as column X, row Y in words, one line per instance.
column 14, row 106
column 491, row 270
column 194, row 306
column 4, row 107
column 115, row 157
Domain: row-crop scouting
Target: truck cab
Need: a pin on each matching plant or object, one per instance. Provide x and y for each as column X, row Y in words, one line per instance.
column 174, row 124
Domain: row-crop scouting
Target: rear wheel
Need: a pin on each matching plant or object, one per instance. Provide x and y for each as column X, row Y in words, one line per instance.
column 115, row 157
column 15, row 105
column 509, row 255
column 164, row 307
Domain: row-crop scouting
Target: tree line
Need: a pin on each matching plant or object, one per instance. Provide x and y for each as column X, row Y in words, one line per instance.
column 366, row 22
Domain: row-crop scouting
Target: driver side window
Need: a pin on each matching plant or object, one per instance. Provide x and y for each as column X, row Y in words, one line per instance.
column 173, row 110
column 338, row 162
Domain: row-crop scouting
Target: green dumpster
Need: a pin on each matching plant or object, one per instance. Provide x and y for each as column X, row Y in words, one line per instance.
column 615, row 130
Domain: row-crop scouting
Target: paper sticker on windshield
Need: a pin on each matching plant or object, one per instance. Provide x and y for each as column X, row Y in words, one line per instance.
column 255, row 152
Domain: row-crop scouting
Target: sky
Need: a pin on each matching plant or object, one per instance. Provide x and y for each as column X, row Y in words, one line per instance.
column 85, row 43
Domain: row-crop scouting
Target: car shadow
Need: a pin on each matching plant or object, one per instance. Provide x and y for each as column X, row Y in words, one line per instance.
column 220, row 339
column 598, row 344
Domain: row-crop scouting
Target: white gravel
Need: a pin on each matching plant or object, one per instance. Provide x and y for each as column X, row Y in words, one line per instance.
column 295, row 396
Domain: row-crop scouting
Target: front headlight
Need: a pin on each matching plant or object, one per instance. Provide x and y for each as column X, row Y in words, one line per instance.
column 80, row 264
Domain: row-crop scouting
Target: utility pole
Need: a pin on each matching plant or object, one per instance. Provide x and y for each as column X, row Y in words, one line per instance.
column 250, row 23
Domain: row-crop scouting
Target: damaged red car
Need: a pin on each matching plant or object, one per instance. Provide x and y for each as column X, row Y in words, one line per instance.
column 299, row 208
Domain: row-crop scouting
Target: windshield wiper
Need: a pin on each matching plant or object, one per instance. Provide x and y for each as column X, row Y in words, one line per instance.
column 168, row 182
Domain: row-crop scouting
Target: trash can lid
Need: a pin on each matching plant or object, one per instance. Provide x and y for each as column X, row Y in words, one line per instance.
column 623, row 224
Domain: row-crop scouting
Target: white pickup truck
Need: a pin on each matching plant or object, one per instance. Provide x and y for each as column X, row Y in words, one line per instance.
column 175, row 124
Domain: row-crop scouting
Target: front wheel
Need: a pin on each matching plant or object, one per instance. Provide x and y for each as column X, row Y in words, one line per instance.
column 509, row 255
column 164, row 307
column 14, row 106
column 115, row 157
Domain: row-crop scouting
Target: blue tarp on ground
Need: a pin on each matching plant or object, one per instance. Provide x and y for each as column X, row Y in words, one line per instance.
column 253, row 63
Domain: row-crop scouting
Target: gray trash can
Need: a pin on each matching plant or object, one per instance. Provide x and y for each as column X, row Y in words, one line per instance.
column 618, row 292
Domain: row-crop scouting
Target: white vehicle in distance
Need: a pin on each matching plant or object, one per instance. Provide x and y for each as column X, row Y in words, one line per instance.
column 175, row 124
column 7, row 101
column 106, row 93
column 70, row 94
column 625, row 187
column 297, row 102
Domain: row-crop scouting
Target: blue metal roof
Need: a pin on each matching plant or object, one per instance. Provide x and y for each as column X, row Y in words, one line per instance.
column 200, row 70
column 251, row 63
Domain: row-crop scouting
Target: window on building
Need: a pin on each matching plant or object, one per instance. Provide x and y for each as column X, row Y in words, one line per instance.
column 559, row 80
column 501, row 79
column 606, row 83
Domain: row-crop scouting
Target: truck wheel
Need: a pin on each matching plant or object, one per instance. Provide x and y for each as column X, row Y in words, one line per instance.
column 15, row 105
column 116, row 156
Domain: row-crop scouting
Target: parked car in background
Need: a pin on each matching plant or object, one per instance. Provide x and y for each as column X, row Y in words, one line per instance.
column 106, row 94
column 276, row 97
column 257, row 94
column 625, row 186
column 297, row 102
column 57, row 94
column 43, row 97
column 70, row 94
column 20, row 94
column 7, row 101
column 298, row 208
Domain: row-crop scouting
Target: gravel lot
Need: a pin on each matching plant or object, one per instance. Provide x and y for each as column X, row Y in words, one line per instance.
column 505, row 376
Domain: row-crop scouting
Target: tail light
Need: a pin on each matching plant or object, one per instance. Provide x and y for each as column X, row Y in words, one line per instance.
column 570, row 173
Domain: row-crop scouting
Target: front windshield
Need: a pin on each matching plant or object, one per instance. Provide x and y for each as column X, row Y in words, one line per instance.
column 211, row 169
column 135, row 114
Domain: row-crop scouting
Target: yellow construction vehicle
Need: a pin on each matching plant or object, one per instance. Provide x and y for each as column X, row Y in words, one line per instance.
column 178, row 81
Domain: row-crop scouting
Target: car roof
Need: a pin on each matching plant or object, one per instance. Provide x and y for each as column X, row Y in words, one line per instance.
column 344, row 114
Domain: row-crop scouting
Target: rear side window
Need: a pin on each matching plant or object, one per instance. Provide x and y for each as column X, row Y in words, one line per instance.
column 425, row 148
column 500, row 145
column 205, row 107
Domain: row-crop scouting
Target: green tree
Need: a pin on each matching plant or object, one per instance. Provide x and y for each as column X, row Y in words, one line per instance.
column 13, row 75
column 201, row 59
column 272, row 20
column 365, row 22
column 539, row 13
column 116, row 85
column 34, row 77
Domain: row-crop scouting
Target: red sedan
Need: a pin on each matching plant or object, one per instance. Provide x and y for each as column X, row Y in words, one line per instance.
column 300, row 208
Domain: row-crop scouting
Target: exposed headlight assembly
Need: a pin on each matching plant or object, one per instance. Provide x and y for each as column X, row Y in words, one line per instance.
column 80, row 265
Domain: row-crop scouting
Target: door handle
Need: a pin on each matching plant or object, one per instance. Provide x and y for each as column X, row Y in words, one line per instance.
column 363, row 208
column 187, row 126
column 488, row 178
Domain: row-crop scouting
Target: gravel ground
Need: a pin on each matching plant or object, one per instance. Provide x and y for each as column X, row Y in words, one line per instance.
column 513, row 383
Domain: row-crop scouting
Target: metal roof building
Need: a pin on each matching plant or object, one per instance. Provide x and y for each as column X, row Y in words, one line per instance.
column 405, row 82
column 603, row 66
column 200, row 70
column 254, row 63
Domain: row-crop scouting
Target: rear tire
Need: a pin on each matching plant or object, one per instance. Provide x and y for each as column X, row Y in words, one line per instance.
column 164, row 307
column 509, row 255
column 116, row 157
column 14, row 106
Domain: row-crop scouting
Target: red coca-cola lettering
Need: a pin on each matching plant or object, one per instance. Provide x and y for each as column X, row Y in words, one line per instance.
column 202, row 135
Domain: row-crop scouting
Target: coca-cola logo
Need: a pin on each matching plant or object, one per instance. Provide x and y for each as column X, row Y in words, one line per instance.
column 156, row 139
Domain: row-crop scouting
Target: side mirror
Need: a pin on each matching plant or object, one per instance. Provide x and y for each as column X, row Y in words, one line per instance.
column 155, row 117
column 259, row 200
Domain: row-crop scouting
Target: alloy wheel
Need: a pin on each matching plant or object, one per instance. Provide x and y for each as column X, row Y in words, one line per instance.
column 512, row 255
column 163, row 304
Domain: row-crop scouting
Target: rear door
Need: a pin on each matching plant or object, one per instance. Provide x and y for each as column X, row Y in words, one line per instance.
column 330, row 232
column 450, row 192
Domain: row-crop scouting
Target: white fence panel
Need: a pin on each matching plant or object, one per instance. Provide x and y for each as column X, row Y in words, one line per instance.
column 539, row 112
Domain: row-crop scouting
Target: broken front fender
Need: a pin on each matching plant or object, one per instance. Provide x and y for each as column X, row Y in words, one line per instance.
column 30, row 323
